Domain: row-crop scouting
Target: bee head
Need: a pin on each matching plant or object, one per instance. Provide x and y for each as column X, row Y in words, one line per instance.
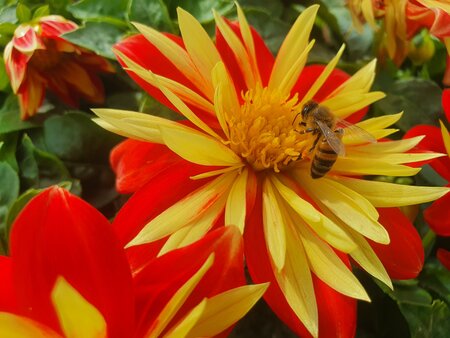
column 308, row 108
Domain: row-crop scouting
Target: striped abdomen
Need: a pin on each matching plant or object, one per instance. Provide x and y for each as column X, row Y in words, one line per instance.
column 324, row 158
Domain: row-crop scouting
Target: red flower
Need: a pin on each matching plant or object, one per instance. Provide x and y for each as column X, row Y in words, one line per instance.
column 438, row 214
column 69, row 276
column 38, row 57
column 242, row 158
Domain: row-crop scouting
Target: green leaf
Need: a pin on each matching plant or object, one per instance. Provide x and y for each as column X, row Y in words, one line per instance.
column 201, row 9
column 38, row 167
column 23, row 13
column 8, row 150
column 427, row 318
column 9, row 189
column 4, row 79
column 18, row 205
column 8, row 14
column 152, row 13
column 88, row 9
column 96, row 36
column 7, row 28
column 10, row 116
column 436, row 278
column 419, row 99
column 43, row 10
column 75, row 138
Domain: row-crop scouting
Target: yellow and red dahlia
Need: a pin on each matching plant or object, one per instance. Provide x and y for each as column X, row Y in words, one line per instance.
column 38, row 57
column 437, row 139
column 241, row 157
column 75, row 281
column 402, row 20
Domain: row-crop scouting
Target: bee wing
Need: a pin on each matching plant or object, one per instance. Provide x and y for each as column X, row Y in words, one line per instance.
column 355, row 133
column 333, row 140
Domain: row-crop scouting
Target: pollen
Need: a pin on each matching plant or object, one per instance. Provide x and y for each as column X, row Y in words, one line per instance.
column 265, row 130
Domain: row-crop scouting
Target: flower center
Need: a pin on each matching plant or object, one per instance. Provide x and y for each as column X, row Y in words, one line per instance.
column 263, row 132
column 47, row 59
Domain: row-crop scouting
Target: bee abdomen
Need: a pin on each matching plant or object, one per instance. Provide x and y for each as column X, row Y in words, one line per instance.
column 323, row 161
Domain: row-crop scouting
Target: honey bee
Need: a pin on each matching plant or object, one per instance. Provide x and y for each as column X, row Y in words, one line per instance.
column 327, row 146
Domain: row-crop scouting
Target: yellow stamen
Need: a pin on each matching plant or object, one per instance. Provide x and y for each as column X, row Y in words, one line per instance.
column 264, row 132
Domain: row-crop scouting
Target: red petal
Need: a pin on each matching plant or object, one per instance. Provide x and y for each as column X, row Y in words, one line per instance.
column 446, row 102
column 337, row 313
column 264, row 57
column 403, row 257
column 8, row 301
column 444, row 257
column 31, row 94
column 432, row 142
column 160, row 278
column 438, row 215
column 55, row 25
column 136, row 162
column 160, row 192
column 59, row 234
column 15, row 65
column 26, row 40
column 310, row 74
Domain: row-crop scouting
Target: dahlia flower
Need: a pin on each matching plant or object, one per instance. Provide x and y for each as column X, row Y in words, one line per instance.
column 38, row 57
column 437, row 139
column 67, row 276
column 402, row 20
column 243, row 157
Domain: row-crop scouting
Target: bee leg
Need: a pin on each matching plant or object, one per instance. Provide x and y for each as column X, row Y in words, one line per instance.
column 339, row 132
column 307, row 130
column 315, row 142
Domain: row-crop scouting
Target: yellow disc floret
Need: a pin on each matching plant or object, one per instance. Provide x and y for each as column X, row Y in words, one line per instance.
column 263, row 132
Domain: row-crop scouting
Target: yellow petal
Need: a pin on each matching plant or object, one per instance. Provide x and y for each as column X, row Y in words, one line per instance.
column 343, row 105
column 78, row 318
column 135, row 125
column 274, row 226
column 196, row 229
column 226, row 308
column 293, row 46
column 226, row 101
column 375, row 123
column 182, row 107
column 238, row 49
column 382, row 194
column 216, row 172
column 113, row 129
column 185, row 93
column 15, row 326
column 187, row 210
column 445, row 137
column 367, row 166
column 178, row 299
column 322, row 77
column 296, row 283
column 235, row 209
column 328, row 266
column 352, row 208
column 196, row 147
column 367, row 11
column 248, row 42
column 325, row 228
column 176, row 54
column 185, row 325
column 398, row 146
column 199, row 46
column 392, row 158
column 361, row 81
column 441, row 4
column 291, row 77
column 368, row 260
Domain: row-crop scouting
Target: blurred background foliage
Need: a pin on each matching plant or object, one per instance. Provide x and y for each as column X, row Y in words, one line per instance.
column 63, row 146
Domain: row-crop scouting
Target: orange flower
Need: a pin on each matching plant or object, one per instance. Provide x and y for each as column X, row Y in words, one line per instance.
column 402, row 20
column 38, row 57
